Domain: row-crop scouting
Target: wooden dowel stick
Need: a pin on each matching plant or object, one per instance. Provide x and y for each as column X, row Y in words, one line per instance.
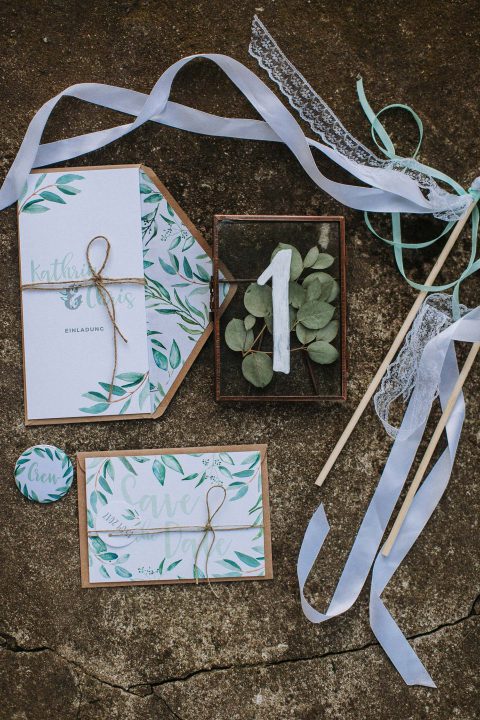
column 422, row 468
column 370, row 391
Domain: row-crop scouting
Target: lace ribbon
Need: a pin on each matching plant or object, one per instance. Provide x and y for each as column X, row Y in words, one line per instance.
column 323, row 121
column 402, row 375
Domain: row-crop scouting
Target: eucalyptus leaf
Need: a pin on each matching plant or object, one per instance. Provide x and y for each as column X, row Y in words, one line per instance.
column 296, row 265
column 314, row 290
column 235, row 335
column 258, row 300
column 311, row 257
column 322, row 352
column 296, row 294
column 334, row 291
column 323, row 261
column 304, row 334
column 249, row 322
column 329, row 332
column 257, row 368
column 326, row 281
column 315, row 314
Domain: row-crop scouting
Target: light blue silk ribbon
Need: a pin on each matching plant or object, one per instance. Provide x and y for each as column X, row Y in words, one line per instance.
column 386, row 146
column 388, row 191
column 439, row 360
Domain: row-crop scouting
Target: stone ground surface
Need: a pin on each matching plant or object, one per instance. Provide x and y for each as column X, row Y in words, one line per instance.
column 176, row 652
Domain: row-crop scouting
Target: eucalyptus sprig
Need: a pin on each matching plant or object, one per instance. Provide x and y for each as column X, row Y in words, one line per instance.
column 312, row 293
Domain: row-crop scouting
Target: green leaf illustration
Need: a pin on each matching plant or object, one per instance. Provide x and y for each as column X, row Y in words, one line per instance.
column 41, row 178
column 121, row 572
column 159, row 471
column 247, row 559
column 108, row 556
column 115, row 389
column 172, row 462
column 202, row 274
column 96, row 409
column 168, row 268
column 173, row 565
column 251, row 459
column 47, row 195
column 31, row 208
column 225, row 457
column 93, row 395
column 241, row 493
column 132, row 378
column 127, row 464
column 193, row 476
column 231, row 563
column 104, row 484
column 244, row 473
column 153, row 198
column 68, row 189
column 103, row 571
column 160, row 359
column 68, row 178
column 175, row 356
column 98, row 545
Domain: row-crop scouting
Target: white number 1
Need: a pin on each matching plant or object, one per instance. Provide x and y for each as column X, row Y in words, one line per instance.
column 279, row 272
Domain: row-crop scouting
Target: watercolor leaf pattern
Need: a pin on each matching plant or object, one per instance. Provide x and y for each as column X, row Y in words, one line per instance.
column 128, row 385
column 45, row 193
column 177, row 288
column 155, row 557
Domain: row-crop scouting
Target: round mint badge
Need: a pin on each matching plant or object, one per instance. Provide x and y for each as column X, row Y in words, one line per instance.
column 43, row 473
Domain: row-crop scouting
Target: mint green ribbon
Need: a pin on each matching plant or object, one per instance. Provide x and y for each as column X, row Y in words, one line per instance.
column 384, row 143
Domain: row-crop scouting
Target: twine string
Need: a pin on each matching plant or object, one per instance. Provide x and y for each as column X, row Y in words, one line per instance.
column 205, row 529
column 100, row 282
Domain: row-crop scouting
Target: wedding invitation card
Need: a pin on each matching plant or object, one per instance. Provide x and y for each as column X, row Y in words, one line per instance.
column 146, row 279
column 174, row 515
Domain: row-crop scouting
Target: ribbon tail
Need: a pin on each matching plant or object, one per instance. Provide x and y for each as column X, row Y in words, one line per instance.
column 315, row 535
column 384, row 627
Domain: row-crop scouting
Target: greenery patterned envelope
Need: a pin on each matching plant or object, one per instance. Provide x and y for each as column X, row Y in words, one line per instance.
column 67, row 375
column 174, row 515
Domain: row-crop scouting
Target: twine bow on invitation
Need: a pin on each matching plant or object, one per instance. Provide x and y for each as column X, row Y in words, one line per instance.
column 100, row 282
column 207, row 528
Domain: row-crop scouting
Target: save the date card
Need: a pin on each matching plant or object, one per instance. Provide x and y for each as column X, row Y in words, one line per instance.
column 174, row 516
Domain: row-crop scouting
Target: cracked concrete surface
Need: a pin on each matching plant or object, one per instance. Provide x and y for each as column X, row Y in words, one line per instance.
column 176, row 652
